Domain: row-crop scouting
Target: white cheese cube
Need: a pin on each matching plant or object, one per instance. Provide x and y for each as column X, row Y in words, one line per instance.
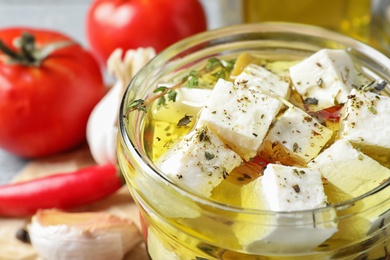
column 199, row 161
column 365, row 121
column 348, row 174
column 286, row 189
column 240, row 116
column 351, row 171
column 296, row 137
column 292, row 188
column 327, row 76
column 268, row 82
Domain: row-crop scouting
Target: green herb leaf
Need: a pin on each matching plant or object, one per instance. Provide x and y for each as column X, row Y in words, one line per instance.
column 230, row 64
column 212, row 63
column 221, row 74
column 161, row 102
column 138, row 104
column 160, row 89
column 172, row 94
column 193, row 79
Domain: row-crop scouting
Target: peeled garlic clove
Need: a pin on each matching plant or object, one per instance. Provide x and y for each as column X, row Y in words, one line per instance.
column 102, row 128
column 58, row 235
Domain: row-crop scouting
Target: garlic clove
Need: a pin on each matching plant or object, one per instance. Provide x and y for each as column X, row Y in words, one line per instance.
column 102, row 126
column 58, row 235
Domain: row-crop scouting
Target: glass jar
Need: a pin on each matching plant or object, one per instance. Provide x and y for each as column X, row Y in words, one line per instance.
column 381, row 26
column 180, row 224
column 346, row 16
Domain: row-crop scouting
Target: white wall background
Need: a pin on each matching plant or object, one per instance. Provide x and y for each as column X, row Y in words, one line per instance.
column 69, row 15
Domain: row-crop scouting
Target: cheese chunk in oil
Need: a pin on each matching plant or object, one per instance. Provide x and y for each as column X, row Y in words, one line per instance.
column 348, row 173
column 270, row 83
column 326, row 77
column 287, row 189
column 365, row 121
column 240, row 116
column 199, row 161
column 295, row 138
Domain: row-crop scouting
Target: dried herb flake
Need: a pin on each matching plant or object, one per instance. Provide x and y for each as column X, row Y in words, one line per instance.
column 296, row 188
column 184, row 121
column 310, row 101
column 209, row 156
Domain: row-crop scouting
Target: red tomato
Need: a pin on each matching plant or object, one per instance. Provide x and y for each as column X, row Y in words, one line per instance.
column 45, row 105
column 129, row 24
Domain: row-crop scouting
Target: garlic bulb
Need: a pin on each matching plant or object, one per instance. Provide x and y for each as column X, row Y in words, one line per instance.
column 58, row 235
column 102, row 126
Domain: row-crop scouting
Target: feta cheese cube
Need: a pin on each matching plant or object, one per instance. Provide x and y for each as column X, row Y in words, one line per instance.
column 240, row 116
column 349, row 170
column 263, row 79
column 348, row 174
column 281, row 190
column 365, row 121
column 327, row 76
column 292, row 188
column 296, row 138
column 199, row 161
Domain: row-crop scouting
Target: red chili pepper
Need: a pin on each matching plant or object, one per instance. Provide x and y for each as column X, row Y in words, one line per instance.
column 330, row 114
column 62, row 191
column 248, row 170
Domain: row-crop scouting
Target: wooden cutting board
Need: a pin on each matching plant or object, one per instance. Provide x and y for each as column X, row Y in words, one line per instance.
column 120, row 204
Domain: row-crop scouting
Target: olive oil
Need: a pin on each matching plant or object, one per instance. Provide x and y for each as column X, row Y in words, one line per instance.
column 350, row 17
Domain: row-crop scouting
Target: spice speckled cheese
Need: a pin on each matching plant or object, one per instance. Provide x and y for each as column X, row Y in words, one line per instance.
column 348, row 174
column 240, row 116
column 327, row 76
column 285, row 188
column 366, row 120
column 296, row 138
column 289, row 188
column 200, row 161
column 269, row 83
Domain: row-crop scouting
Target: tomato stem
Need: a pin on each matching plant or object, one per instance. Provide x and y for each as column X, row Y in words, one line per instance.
column 27, row 53
column 27, row 47
column 8, row 51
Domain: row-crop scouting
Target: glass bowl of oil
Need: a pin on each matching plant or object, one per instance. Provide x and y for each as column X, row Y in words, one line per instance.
column 179, row 222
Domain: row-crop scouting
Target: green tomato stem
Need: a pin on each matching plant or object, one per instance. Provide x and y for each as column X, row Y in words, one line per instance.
column 27, row 53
